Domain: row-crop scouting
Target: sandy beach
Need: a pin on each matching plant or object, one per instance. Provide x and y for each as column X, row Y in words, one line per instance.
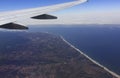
column 95, row 62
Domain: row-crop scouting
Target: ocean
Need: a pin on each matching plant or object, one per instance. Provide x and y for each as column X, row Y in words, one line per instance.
column 100, row 42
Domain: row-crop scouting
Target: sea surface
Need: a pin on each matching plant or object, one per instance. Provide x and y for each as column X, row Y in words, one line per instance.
column 100, row 42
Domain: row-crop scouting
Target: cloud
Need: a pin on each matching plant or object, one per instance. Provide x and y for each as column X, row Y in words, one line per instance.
column 86, row 18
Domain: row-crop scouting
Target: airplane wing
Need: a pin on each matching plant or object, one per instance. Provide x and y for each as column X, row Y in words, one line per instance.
column 8, row 19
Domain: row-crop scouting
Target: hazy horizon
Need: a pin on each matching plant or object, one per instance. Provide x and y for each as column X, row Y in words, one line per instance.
column 92, row 12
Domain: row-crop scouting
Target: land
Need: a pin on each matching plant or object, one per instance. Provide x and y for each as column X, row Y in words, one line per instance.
column 44, row 55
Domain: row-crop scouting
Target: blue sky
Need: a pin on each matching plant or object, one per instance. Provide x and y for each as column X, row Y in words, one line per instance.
column 92, row 7
column 100, row 5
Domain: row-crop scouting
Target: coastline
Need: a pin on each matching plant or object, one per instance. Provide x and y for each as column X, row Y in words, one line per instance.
column 95, row 62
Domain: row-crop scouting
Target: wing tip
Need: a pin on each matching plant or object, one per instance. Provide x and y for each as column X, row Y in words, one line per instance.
column 83, row 0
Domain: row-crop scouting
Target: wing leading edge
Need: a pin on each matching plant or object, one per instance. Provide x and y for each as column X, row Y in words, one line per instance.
column 6, row 18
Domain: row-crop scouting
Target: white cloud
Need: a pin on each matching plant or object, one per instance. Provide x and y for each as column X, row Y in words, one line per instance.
column 83, row 18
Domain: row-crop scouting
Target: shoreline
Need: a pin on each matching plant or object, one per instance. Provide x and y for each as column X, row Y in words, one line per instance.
column 95, row 62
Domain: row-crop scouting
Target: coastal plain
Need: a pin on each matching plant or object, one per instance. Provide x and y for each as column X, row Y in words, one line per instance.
column 44, row 55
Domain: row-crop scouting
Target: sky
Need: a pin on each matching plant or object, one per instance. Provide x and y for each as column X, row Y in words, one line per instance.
column 92, row 12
